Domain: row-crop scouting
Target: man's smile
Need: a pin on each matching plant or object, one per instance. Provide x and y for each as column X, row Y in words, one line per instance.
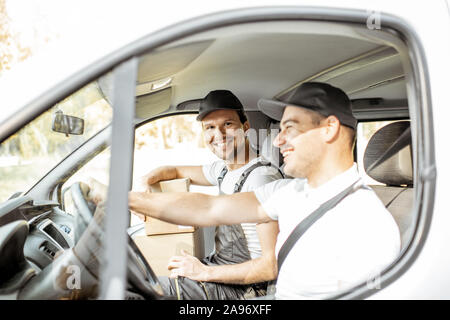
column 222, row 144
column 286, row 152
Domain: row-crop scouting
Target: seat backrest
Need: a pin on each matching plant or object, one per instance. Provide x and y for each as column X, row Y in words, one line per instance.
column 388, row 160
column 399, row 202
column 258, row 121
column 261, row 138
column 268, row 150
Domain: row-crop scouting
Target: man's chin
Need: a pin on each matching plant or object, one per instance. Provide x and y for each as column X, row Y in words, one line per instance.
column 230, row 156
column 291, row 172
column 224, row 155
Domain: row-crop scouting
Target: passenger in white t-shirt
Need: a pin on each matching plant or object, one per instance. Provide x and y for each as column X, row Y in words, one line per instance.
column 352, row 243
column 244, row 253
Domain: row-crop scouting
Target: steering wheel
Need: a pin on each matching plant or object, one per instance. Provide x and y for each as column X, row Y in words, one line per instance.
column 139, row 273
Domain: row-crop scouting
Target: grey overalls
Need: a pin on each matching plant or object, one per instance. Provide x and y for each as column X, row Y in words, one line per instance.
column 230, row 248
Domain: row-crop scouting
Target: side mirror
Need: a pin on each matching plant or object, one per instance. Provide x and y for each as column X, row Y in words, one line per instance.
column 67, row 124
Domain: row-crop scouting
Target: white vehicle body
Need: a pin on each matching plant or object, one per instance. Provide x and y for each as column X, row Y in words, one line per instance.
column 425, row 276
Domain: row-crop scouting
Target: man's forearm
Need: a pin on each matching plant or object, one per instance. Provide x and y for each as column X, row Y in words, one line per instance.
column 173, row 207
column 198, row 209
column 252, row 271
column 195, row 173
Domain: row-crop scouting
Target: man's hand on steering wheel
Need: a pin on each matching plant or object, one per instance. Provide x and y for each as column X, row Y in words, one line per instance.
column 89, row 246
column 96, row 191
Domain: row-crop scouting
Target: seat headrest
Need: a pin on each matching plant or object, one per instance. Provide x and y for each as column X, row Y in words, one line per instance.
column 261, row 141
column 268, row 150
column 388, row 156
column 253, row 140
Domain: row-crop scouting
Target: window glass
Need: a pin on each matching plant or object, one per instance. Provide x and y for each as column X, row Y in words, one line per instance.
column 170, row 141
column 97, row 168
column 175, row 140
column 30, row 153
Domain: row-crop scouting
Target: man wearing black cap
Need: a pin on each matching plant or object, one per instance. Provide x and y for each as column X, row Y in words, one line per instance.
column 244, row 253
column 354, row 239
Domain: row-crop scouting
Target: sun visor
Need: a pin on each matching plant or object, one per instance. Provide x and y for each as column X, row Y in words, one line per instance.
column 152, row 104
column 169, row 61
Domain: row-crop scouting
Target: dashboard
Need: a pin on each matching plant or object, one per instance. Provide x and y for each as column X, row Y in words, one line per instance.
column 51, row 230
column 39, row 243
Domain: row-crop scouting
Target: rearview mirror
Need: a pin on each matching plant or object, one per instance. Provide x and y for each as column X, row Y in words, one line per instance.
column 67, row 124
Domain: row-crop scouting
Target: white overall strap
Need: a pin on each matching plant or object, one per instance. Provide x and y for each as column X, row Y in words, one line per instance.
column 240, row 183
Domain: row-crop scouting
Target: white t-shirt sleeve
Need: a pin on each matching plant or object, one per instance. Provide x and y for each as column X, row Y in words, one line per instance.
column 212, row 171
column 268, row 197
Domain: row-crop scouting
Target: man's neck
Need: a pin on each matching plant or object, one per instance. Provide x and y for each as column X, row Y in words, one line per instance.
column 323, row 174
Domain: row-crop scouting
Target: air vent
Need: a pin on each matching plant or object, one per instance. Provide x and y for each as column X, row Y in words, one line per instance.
column 55, row 234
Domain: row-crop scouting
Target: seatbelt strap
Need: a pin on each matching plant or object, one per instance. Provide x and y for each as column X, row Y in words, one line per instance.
column 303, row 226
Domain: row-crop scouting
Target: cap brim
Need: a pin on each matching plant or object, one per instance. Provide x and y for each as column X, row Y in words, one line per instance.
column 272, row 108
column 275, row 109
column 204, row 114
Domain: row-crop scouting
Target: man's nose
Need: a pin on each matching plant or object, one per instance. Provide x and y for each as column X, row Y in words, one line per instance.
column 219, row 132
column 279, row 140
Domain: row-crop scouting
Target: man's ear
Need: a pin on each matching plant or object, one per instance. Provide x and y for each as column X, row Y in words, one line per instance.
column 332, row 127
column 246, row 126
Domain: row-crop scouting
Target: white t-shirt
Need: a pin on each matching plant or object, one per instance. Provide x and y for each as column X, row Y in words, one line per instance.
column 258, row 177
column 349, row 245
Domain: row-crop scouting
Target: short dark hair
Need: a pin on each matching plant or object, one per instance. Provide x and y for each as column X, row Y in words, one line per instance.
column 316, row 117
column 242, row 116
column 352, row 138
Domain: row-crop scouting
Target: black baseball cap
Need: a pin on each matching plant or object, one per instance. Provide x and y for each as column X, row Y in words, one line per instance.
column 317, row 96
column 219, row 100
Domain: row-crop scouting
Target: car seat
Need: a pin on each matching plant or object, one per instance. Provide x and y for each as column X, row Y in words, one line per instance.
column 388, row 160
column 262, row 136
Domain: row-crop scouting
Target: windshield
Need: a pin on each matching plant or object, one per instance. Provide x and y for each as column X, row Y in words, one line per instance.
column 35, row 149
